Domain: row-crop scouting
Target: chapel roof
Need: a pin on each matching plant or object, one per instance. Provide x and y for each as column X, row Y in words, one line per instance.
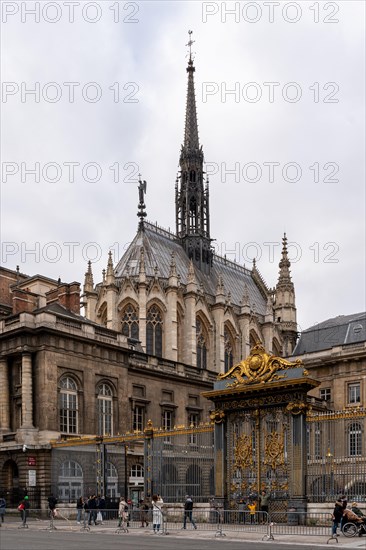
column 159, row 245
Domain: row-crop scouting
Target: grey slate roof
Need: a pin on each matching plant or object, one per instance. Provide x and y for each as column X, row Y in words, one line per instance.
column 338, row 331
column 158, row 247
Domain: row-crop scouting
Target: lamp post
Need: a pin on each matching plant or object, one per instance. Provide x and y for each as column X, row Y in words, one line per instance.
column 329, row 461
column 126, row 476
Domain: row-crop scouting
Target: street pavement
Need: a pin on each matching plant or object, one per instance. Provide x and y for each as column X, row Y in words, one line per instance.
column 68, row 535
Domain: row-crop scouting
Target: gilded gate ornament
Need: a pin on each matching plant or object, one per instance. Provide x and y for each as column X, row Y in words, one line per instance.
column 243, row 452
column 274, row 455
column 259, row 367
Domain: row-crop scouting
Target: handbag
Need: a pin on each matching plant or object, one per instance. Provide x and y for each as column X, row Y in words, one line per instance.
column 99, row 516
column 21, row 507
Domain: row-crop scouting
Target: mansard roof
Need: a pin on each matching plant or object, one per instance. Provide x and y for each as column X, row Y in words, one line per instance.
column 159, row 244
column 338, row 331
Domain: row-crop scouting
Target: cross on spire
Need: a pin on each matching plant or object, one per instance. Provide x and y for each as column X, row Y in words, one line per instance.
column 190, row 44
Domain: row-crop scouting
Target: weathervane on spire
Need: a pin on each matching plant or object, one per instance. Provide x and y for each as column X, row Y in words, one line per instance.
column 189, row 44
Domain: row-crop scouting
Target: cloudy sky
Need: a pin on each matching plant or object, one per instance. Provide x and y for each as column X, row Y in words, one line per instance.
column 280, row 99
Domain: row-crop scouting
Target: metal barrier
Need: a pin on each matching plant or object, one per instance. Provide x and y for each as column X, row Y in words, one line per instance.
column 215, row 520
column 300, row 523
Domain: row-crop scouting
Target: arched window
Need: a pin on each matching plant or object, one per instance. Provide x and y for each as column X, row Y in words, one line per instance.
column 130, row 322
column 229, row 350
column 105, row 410
column 201, row 345
column 355, row 439
column 137, row 472
column 68, row 406
column 70, row 481
column 154, row 332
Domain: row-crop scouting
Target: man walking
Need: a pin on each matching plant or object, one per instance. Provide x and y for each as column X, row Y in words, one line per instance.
column 188, row 510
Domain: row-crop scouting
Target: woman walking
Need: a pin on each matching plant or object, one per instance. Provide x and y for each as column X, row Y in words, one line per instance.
column 157, row 514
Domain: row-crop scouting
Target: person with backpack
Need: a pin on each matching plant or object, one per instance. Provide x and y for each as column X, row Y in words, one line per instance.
column 188, row 511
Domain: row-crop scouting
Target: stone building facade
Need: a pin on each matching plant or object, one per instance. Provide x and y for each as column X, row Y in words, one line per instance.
column 334, row 352
column 63, row 376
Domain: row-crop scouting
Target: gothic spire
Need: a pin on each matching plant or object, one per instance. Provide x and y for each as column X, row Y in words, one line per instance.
column 88, row 281
column 191, row 141
column 141, row 206
column 284, row 265
column 192, row 196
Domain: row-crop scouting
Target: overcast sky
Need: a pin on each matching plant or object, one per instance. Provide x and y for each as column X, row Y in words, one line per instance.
column 291, row 133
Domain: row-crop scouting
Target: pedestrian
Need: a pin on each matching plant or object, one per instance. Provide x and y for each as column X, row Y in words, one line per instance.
column 24, row 510
column 242, row 508
column 86, row 512
column 144, row 509
column 157, row 514
column 102, row 508
column 252, row 506
column 122, row 514
column 264, row 505
column 79, row 509
column 337, row 517
column 92, row 503
column 344, row 506
column 188, row 511
column 2, row 508
column 52, row 502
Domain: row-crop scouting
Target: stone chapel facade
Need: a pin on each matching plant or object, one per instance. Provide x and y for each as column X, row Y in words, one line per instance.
column 180, row 300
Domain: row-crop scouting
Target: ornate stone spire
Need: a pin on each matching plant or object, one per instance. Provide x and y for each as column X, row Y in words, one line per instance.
column 88, row 281
column 284, row 306
column 111, row 279
column 141, row 206
column 284, row 265
column 142, row 267
column 191, row 274
column 173, row 266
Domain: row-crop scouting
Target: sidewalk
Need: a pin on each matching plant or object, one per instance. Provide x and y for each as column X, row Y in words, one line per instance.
column 176, row 532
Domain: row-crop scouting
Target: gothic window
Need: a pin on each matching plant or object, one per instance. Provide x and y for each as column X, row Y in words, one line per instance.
column 192, row 213
column 70, row 481
column 154, row 332
column 105, row 410
column 201, row 346
column 355, row 439
column 229, row 350
column 68, row 406
column 130, row 322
